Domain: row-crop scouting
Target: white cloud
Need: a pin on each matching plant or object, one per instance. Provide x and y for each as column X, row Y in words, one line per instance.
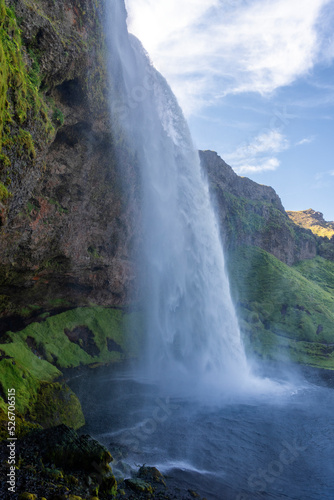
column 256, row 156
column 262, row 165
column 214, row 48
column 306, row 140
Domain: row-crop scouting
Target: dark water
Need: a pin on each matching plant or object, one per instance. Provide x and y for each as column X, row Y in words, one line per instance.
column 275, row 445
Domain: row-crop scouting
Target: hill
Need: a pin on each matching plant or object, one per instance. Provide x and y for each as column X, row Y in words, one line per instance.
column 310, row 219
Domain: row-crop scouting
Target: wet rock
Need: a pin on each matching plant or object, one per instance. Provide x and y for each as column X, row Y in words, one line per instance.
column 27, row 496
column 139, row 485
column 151, row 474
column 193, row 494
column 63, row 447
column 108, row 485
column 83, row 337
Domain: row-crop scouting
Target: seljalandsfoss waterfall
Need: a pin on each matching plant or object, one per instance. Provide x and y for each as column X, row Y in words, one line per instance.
column 190, row 322
column 192, row 407
column 166, row 321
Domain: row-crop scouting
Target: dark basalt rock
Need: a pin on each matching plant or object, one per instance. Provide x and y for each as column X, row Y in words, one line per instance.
column 151, row 474
column 83, row 337
column 64, row 447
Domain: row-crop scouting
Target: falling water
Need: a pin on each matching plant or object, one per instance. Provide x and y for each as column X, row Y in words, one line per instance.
column 192, row 329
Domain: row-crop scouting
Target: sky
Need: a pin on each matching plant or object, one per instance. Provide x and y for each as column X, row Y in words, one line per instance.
column 255, row 80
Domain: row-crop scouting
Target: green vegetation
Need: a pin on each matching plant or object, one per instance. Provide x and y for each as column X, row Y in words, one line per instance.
column 4, row 193
column 318, row 270
column 36, row 355
column 248, row 219
column 93, row 252
column 56, row 404
column 20, row 99
column 310, row 219
column 283, row 314
column 58, row 117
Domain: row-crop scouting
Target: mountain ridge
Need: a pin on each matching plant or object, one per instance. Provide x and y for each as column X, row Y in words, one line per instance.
column 313, row 220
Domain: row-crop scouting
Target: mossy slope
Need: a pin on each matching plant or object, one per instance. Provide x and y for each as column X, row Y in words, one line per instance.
column 34, row 357
column 283, row 314
column 319, row 271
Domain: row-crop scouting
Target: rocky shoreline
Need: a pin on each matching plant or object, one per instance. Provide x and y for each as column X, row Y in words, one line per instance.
column 60, row 464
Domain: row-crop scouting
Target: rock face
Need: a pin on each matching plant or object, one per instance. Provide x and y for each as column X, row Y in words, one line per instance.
column 252, row 214
column 310, row 219
column 67, row 224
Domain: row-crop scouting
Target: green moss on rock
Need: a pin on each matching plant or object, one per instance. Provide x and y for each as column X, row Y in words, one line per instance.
column 30, row 360
column 19, row 95
column 139, row 485
column 22, row 427
column 57, row 404
column 27, row 496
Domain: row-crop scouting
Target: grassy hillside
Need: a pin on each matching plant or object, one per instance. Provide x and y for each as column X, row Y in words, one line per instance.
column 285, row 313
column 319, row 271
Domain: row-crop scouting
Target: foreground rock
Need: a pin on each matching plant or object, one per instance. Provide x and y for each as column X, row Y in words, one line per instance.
column 59, row 464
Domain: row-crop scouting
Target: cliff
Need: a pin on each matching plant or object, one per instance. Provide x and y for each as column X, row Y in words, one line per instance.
column 252, row 214
column 315, row 222
column 67, row 224
column 66, row 218
column 281, row 283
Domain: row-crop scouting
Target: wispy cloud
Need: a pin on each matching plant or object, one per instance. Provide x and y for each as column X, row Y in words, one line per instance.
column 263, row 165
column 257, row 155
column 306, row 140
column 321, row 179
column 210, row 49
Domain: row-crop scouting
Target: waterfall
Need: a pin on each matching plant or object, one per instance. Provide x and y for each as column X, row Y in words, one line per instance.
column 191, row 326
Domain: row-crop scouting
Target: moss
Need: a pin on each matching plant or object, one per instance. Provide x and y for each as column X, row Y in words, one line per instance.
column 58, row 117
column 20, row 99
column 22, row 426
column 56, row 404
column 93, row 252
column 139, row 485
column 59, row 208
column 282, row 311
column 4, row 193
column 29, row 356
column 25, row 143
column 248, row 218
column 27, row 496
column 22, row 370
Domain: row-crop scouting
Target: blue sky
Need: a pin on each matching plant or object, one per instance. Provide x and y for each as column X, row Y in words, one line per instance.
column 255, row 79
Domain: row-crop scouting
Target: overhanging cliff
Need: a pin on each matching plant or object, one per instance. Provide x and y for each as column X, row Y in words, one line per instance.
column 67, row 225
